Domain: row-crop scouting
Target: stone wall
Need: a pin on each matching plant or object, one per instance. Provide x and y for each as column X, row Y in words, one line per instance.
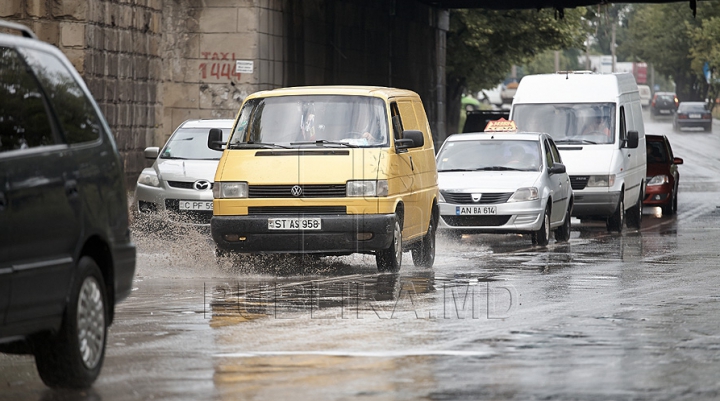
column 152, row 64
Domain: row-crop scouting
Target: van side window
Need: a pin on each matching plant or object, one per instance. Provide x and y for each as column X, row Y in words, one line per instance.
column 623, row 125
column 24, row 114
column 396, row 120
column 75, row 113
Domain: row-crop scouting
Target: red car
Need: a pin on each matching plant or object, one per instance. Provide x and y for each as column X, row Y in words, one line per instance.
column 661, row 185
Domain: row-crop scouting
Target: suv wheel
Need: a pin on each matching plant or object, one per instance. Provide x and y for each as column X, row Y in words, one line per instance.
column 73, row 356
column 390, row 259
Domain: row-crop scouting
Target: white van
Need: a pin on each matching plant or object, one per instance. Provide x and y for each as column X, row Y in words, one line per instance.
column 645, row 95
column 596, row 122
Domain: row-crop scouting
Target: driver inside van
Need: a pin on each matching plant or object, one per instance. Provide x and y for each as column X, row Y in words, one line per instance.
column 597, row 126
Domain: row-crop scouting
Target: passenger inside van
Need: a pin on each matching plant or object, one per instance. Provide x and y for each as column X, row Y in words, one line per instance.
column 596, row 126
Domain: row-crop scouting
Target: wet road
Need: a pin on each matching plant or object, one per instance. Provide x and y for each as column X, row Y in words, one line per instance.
column 629, row 316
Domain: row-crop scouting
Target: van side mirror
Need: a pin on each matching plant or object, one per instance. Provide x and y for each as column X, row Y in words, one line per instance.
column 214, row 141
column 410, row 139
column 557, row 168
column 151, row 152
column 631, row 141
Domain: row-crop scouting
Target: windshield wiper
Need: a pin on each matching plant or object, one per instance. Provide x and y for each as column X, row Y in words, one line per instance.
column 454, row 169
column 567, row 140
column 173, row 158
column 256, row 145
column 498, row 168
column 323, row 142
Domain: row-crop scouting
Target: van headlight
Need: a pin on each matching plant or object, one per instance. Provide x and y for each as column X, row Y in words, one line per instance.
column 367, row 188
column 150, row 179
column 601, row 180
column 524, row 194
column 658, row 180
column 230, row 190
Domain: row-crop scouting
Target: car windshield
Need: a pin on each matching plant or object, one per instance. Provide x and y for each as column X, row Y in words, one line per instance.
column 317, row 120
column 583, row 123
column 191, row 143
column 668, row 98
column 696, row 107
column 490, row 155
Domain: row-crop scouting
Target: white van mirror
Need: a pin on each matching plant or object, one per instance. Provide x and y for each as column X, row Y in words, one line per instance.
column 631, row 141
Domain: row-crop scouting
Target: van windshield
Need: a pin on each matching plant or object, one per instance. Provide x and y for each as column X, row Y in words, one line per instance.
column 327, row 120
column 583, row 123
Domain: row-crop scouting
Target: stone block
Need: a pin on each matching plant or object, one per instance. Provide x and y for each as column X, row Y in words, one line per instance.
column 264, row 49
column 155, row 69
column 247, row 20
column 140, row 43
column 47, row 31
column 153, row 44
column 72, row 34
column 70, row 9
column 180, row 95
column 221, row 45
column 77, row 58
column 277, row 26
column 156, row 23
column 221, row 19
column 125, row 41
column 142, row 66
column 230, row 3
column 11, row 8
column 277, row 47
column 36, row 8
column 125, row 16
column 110, row 39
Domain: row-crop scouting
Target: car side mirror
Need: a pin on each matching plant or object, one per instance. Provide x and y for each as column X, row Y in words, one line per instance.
column 677, row 160
column 410, row 139
column 151, row 152
column 557, row 168
column 631, row 142
column 215, row 141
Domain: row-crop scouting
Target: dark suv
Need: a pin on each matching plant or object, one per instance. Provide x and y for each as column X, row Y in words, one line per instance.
column 66, row 256
column 663, row 103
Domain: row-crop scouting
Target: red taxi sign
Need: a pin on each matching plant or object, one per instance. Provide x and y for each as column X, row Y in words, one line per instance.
column 501, row 125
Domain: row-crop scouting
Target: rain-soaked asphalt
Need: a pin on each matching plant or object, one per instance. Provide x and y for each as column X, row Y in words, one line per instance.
column 632, row 316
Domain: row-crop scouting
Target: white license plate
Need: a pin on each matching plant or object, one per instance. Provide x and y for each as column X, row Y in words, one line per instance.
column 195, row 205
column 694, row 116
column 464, row 210
column 294, row 224
column 664, row 111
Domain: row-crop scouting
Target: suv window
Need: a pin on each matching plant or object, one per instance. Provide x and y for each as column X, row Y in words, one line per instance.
column 74, row 111
column 23, row 113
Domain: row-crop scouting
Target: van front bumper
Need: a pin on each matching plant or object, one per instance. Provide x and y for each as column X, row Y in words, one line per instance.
column 339, row 234
column 595, row 204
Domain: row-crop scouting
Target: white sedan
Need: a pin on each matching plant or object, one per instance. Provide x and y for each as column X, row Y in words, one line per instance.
column 504, row 182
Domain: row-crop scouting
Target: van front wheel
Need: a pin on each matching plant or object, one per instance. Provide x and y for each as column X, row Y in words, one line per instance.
column 617, row 220
column 423, row 254
column 390, row 259
column 634, row 218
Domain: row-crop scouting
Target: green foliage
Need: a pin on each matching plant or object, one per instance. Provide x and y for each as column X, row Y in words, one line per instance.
column 545, row 62
column 482, row 44
column 706, row 49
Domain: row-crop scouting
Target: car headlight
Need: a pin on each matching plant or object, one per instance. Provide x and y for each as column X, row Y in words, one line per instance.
column 150, row 179
column 658, row 180
column 524, row 194
column 230, row 190
column 601, row 180
column 367, row 188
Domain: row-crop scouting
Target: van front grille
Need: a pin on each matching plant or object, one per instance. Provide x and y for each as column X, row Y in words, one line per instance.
column 297, row 210
column 286, row 191
column 578, row 182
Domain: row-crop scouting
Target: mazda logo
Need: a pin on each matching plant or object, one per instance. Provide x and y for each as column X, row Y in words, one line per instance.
column 476, row 197
column 296, row 190
column 201, row 185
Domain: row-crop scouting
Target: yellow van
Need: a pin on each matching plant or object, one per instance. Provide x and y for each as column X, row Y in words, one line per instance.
column 328, row 170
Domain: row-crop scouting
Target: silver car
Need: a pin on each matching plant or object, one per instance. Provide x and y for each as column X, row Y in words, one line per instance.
column 179, row 184
column 505, row 182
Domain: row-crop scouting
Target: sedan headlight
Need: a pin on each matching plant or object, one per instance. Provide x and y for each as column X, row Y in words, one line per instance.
column 524, row 194
column 601, row 180
column 658, row 180
column 150, row 179
column 367, row 188
column 230, row 190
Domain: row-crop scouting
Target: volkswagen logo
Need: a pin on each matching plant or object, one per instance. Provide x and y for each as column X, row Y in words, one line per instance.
column 296, row 190
column 476, row 197
column 201, row 185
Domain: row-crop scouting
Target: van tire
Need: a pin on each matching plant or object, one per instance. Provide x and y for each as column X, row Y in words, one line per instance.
column 423, row 254
column 390, row 259
column 617, row 220
column 562, row 233
column 541, row 237
column 60, row 357
column 634, row 214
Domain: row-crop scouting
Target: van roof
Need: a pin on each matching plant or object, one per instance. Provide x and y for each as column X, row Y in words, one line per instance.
column 376, row 91
column 574, row 88
column 209, row 123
